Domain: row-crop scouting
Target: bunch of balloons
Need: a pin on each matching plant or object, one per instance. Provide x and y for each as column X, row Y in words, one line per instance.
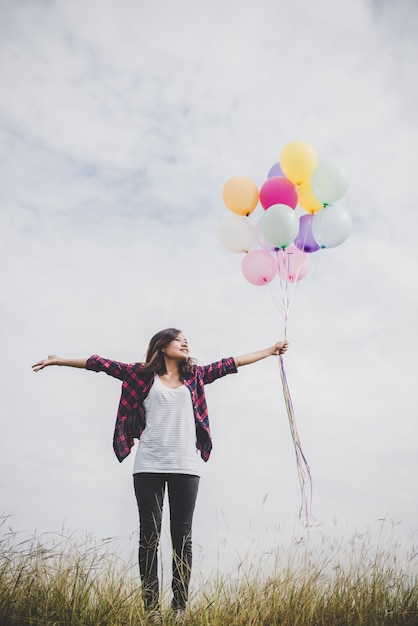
column 299, row 215
column 298, row 218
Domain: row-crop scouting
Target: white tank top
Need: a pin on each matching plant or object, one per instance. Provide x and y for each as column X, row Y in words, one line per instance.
column 168, row 442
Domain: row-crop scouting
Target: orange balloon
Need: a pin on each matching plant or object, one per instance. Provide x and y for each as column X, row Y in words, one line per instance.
column 240, row 195
column 306, row 198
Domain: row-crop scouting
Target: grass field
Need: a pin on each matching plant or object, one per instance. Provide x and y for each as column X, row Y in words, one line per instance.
column 56, row 580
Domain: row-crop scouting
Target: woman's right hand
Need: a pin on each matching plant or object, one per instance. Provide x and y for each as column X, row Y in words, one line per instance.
column 52, row 359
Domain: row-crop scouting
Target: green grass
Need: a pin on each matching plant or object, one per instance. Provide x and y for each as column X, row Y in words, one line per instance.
column 58, row 580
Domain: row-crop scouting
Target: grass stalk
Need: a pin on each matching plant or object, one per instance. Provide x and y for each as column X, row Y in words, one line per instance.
column 61, row 580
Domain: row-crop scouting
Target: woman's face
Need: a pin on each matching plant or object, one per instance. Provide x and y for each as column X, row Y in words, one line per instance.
column 177, row 349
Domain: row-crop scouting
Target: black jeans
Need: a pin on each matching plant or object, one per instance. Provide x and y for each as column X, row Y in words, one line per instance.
column 182, row 493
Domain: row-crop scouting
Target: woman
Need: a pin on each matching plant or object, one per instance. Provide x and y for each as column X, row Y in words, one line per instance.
column 163, row 405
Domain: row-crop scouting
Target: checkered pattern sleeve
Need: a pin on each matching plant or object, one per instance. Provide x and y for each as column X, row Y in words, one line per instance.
column 218, row 369
column 130, row 420
column 112, row 368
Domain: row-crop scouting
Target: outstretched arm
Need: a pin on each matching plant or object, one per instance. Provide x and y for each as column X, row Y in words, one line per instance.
column 53, row 359
column 246, row 359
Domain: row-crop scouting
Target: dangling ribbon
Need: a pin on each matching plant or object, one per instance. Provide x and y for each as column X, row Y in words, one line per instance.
column 304, row 472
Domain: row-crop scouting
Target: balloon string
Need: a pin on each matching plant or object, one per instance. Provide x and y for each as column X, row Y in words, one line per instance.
column 283, row 303
column 282, row 309
column 287, row 286
column 304, row 473
column 303, row 469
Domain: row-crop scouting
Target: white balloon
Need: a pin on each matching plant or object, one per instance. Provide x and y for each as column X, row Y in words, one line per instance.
column 236, row 233
column 331, row 226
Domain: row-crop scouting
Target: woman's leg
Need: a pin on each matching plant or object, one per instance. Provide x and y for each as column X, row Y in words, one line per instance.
column 182, row 493
column 149, row 491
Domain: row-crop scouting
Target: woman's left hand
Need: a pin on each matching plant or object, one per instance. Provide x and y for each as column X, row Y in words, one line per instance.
column 280, row 347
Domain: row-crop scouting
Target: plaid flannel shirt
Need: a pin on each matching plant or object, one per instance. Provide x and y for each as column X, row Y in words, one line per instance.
column 136, row 384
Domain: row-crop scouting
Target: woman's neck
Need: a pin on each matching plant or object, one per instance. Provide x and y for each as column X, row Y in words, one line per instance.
column 171, row 378
column 172, row 371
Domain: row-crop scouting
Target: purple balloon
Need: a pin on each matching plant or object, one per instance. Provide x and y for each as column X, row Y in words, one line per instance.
column 305, row 240
column 275, row 170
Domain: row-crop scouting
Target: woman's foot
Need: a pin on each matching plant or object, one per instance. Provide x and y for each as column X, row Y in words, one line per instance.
column 179, row 616
column 155, row 618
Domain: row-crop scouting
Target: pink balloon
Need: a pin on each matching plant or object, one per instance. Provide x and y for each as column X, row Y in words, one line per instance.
column 278, row 190
column 259, row 267
column 292, row 264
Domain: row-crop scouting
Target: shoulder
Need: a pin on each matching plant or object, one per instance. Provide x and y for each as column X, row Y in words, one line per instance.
column 226, row 365
column 128, row 372
column 140, row 370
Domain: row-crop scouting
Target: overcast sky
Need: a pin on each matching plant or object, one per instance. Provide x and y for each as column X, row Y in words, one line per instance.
column 120, row 122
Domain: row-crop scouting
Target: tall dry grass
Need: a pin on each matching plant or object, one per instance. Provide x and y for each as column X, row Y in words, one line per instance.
column 59, row 580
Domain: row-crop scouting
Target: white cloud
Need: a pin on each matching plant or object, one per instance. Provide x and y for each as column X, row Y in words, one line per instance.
column 120, row 122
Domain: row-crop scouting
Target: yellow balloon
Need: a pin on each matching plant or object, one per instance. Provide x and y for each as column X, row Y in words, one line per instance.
column 240, row 195
column 307, row 199
column 298, row 160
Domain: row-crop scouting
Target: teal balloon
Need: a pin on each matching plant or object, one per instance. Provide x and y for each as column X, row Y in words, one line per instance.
column 280, row 225
column 329, row 182
column 331, row 226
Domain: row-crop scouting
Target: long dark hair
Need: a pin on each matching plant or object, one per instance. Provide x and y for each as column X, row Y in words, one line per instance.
column 154, row 360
